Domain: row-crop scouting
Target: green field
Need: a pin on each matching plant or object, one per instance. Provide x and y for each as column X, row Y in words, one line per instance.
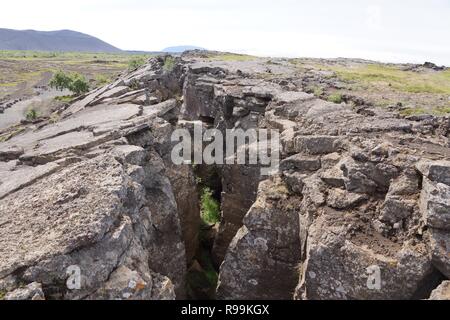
column 20, row 71
column 417, row 90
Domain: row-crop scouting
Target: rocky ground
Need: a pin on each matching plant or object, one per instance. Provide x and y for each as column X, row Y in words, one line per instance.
column 362, row 190
column 25, row 76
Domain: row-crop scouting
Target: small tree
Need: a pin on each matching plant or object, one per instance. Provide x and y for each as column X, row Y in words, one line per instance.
column 73, row 82
column 60, row 81
column 79, row 85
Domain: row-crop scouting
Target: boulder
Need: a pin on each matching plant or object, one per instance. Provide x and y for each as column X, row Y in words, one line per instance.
column 367, row 177
column 294, row 181
column 405, row 185
column 300, row 163
column 437, row 171
column 439, row 244
column 342, row 265
column 442, row 292
column 316, row 145
column 435, row 204
column 334, row 177
column 395, row 209
column 342, row 199
column 32, row 291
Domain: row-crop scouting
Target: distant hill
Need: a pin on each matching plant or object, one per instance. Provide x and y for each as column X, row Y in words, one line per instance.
column 62, row 40
column 180, row 49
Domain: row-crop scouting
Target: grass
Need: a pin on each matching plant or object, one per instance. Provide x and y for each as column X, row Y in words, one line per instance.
column 100, row 58
column 31, row 114
column 15, row 78
column 442, row 110
column 201, row 284
column 207, row 265
column 136, row 63
column 231, row 57
column 11, row 134
column 169, row 64
column 318, row 92
column 210, row 207
column 394, row 77
column 21, row 70
column 437, row 111
column 102, row 80
column 413, row 112
column 65, row 99
column 335, row 98
column 54, row 118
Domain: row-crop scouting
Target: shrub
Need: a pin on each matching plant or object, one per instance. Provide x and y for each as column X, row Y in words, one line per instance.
column 210, row 208
column 102, row 80
column 61, row 81
column 336, row 98
column 73, row 82
column 79, row 84
column 135, row 63
column 318, row 92
column 31, row 114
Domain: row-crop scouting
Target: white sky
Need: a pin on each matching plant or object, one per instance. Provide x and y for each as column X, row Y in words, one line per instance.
column 385, row 30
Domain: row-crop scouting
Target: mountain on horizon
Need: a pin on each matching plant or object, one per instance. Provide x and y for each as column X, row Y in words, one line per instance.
column 181, row 49
column 61, row 40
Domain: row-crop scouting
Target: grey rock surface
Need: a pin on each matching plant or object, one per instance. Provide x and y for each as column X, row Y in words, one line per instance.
column 358, row 194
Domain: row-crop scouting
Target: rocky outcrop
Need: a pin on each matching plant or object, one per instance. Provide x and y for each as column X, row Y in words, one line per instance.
column 92, row 206
column 266, row 248
column 91, row 193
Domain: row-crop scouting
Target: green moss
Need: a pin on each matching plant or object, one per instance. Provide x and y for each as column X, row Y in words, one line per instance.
column 2, row 295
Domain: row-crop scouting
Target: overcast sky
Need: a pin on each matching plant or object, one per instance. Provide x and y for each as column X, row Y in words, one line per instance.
column 386, row 30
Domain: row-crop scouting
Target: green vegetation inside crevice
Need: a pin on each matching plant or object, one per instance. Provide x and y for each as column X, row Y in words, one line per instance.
column 202, row 277
column 169, row 64
column 210, row 208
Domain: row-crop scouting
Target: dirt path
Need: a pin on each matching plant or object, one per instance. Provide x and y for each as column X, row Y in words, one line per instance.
column 41, row 103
